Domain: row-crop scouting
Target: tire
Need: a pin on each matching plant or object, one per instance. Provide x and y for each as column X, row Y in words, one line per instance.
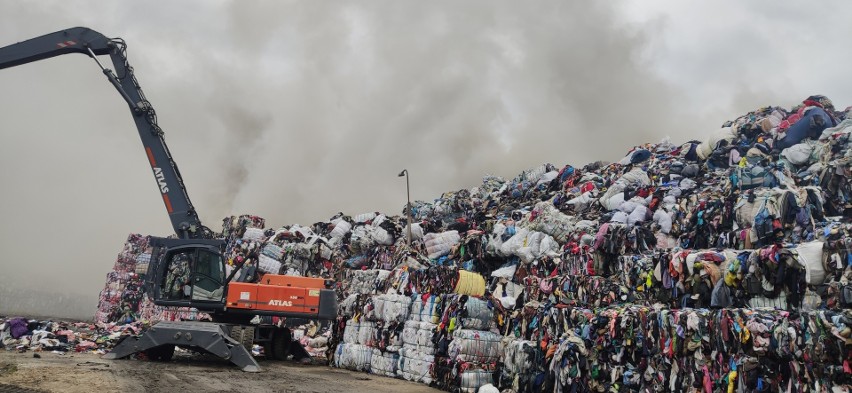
column 163, row 353
column 281, row 344
column 243, row 335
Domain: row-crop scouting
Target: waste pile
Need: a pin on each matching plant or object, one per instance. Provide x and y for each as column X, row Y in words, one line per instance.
column 123, row 298
column 60, row 337
column 713, row 265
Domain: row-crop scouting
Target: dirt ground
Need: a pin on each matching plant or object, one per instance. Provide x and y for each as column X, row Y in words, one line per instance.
column 84, row 372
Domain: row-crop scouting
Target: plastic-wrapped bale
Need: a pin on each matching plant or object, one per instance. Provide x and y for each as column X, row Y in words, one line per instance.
column 471, row 379
column 362, row 281
column 414, row 365
column 268, row 265
column 477, row 315
column 367, row 333
column 142, row 262
column 350, row 332
column 361, row 242
column 810, row 255
column 273, row 251
column 460, row 376
column 253, row 234
column 423, row 308
column 476, row 346
column 364, row 217
column 440, row 244
column 384, row 364
column 353, row 357
column 341, row 228
column 346, row 307
column 379, row 234
column 418, row 335
column 550, row 220
column 391, row 308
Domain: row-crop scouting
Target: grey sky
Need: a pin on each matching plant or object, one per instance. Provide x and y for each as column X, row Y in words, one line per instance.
column 298, row 110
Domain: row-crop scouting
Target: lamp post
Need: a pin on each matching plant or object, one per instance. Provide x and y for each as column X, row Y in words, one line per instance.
column 407, row 206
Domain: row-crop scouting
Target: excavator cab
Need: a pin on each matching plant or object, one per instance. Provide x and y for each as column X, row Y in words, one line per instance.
column 187, row 273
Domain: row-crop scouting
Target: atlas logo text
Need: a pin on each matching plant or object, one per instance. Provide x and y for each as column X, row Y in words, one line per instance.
column 161, row 180
column 275, row 302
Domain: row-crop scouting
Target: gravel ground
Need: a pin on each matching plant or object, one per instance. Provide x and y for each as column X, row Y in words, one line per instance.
column 85, row 372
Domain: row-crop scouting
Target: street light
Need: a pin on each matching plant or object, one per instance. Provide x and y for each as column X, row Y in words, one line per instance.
column 407, row 207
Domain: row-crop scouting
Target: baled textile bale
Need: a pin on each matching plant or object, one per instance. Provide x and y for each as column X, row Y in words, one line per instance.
column 253, row 234
column 391, row 308
column 471, row 380
column 367, row 333
column 422, row 308
column 414, row 366
column 478, row 315
column 341, row 229
column 361, row 241
column 268, row 265
column 418, row 336
column 515, row 243
column 470, row 283
column 353, row 357
column 364, row 217
column 810, row 256
column 474, row 346
column 384, row 364
column 614, row 195
column 350, row 332
column 363, row 281
column 440, row 244
column 381, row 236
column 273, row 251
column 548, row 219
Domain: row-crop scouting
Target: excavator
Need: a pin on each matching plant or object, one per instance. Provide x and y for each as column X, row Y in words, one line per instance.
column 232, row 305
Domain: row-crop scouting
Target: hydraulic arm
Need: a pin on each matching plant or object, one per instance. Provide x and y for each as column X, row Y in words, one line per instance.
column 181, row 212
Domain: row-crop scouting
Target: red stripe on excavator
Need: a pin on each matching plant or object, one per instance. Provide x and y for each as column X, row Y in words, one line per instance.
column 151, row 157
column 168, row 203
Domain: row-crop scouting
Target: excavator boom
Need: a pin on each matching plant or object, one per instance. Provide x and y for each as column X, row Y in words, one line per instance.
column 182, row 214
column 196, row 253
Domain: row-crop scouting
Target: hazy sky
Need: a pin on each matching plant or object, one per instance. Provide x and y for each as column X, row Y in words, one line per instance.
column 297, row 110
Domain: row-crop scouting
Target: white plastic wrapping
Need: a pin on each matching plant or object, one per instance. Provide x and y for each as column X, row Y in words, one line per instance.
column 350, row 332
column 415, row 366
column 418, row 336
column 391, row 308
column 253, row 234
column 422, row 309
column 440, row 244
column 551, row 221
column 353, row 357
column 810, row 256
column 474, row 346
column 268, row 265
column 341, row 229
column 473, row 379
column 384, row 364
